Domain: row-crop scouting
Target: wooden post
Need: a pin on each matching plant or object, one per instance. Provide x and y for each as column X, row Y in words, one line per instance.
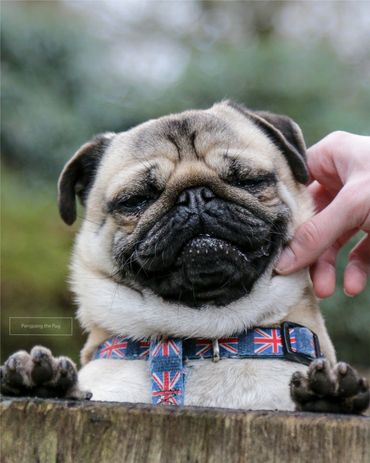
column 35, row 430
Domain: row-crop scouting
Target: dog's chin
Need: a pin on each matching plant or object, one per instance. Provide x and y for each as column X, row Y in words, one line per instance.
column 208, row 271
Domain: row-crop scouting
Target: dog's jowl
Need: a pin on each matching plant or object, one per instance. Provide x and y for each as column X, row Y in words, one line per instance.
column 172, row 269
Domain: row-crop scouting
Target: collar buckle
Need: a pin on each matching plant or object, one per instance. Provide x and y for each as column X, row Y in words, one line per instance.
column 287, row 348
column 216, row 351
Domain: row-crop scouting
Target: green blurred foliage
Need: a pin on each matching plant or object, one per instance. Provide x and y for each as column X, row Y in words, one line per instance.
column 56, row 91
column 59, row 88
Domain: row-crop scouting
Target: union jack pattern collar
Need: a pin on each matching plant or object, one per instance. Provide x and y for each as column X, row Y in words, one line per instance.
column 168, row 357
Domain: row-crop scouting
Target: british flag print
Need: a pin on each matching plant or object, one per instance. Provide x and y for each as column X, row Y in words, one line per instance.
column 203, row 346
column 230, row 345
column 165, row 348
column 267, row 341
column 292, row 340
column 164, row 391
column 114, row 348
column 144, row 349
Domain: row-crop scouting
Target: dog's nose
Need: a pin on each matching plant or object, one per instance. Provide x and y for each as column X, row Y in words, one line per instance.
column 195, row 197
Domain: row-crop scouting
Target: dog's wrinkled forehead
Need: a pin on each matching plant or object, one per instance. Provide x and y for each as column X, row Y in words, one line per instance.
column 192, row 134
column 180, row 135
column 196, row 143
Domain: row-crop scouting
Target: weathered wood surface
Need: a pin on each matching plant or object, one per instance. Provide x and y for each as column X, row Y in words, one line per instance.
column 61, row 431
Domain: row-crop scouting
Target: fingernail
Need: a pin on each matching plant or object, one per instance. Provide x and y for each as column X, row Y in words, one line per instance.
column 348, row 294
column 286, row 261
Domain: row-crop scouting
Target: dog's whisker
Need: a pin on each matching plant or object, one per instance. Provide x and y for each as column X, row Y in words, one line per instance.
column 88, row 220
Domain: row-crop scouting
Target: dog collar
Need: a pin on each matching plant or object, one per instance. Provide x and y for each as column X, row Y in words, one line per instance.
column 167, row 357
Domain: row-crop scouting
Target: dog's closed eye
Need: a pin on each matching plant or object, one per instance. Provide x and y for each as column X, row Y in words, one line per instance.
column 133, row 203
column 254, row 183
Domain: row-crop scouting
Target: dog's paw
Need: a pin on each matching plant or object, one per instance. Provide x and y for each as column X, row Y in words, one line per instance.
column 39, row 374
column 327, row 389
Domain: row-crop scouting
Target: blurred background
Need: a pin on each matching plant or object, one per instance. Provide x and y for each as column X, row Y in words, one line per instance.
column 71, row 69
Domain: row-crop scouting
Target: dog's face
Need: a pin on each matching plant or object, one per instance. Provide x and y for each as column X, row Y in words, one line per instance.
column 192, row 207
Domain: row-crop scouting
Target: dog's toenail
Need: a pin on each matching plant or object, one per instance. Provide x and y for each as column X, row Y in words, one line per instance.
column 342, row 368
column 12, row 364
column 319, row 365
column 363, row 383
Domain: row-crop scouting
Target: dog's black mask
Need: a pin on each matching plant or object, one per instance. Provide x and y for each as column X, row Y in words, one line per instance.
column 205, row 250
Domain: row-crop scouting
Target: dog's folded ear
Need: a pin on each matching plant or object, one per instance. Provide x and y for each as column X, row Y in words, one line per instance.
column 78, row 175
column 293, row 143
column 285, row 134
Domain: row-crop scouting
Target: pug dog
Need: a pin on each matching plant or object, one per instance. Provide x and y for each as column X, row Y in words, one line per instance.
column 185, row 217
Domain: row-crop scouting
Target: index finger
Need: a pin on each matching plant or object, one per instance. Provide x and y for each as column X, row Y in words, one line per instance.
column 322, row 160
column 317, row 234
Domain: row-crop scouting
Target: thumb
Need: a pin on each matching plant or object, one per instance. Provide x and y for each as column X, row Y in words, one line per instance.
column 317, row 234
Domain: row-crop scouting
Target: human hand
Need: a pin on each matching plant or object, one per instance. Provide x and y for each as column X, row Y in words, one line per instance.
column 339, row 165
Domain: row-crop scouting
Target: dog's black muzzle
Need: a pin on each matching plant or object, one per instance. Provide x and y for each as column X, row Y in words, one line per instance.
column 205, row 250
